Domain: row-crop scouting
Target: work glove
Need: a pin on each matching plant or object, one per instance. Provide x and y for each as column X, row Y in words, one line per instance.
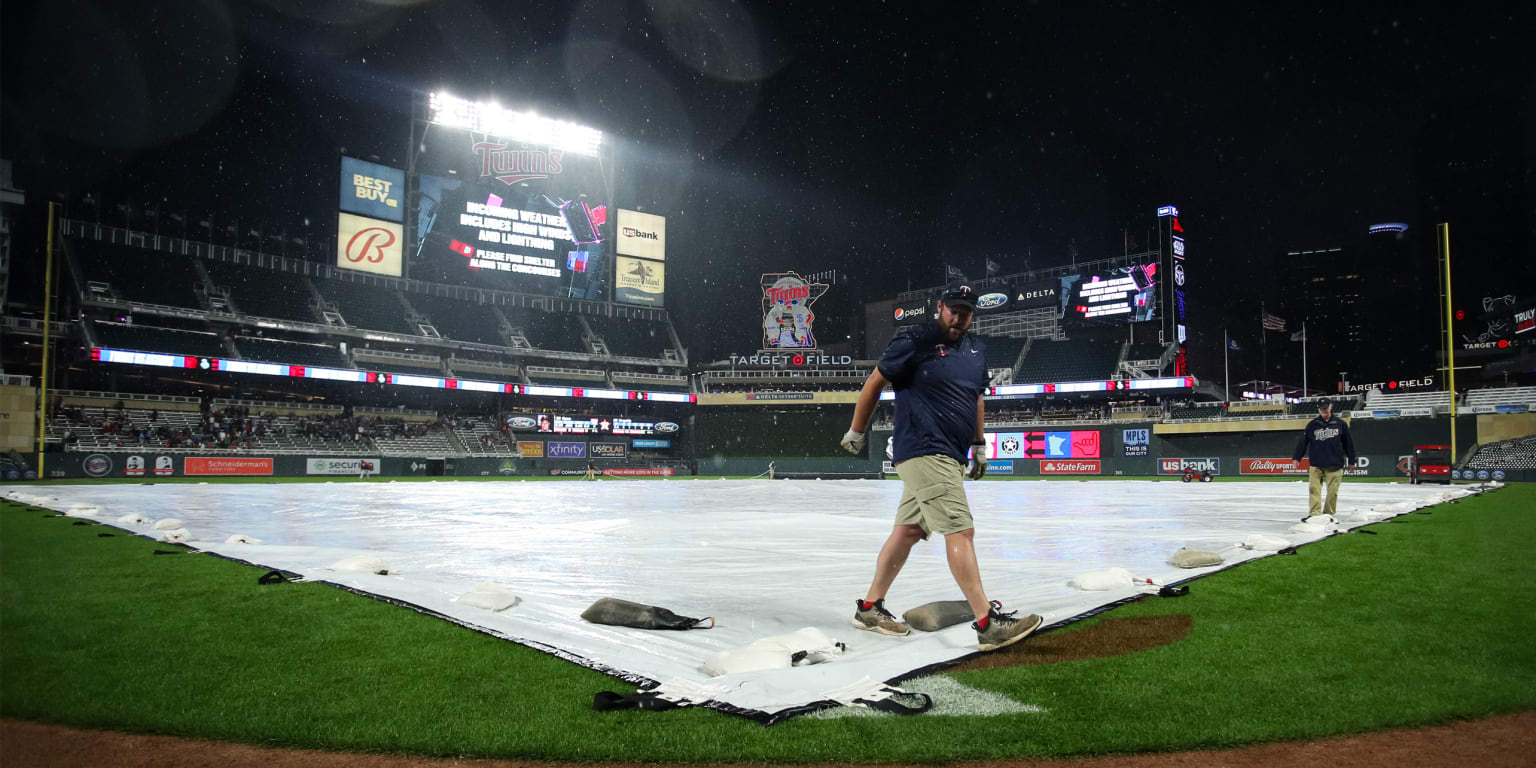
column 853, row 442
column 978, row 468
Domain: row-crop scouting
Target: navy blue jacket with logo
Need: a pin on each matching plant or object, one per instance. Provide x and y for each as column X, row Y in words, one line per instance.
column 936, row 389
column 1328, row 442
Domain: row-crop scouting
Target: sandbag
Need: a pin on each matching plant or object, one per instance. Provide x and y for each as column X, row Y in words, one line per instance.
column 623, row 613
column 807, row 645
column 1099, row 581
column 133, row 519
column 83, row 510
column 241, row 538
column 168, row 523
column 1194, row 558
column 934, row 616
column 1308, row 528
column 176, row 535
column 1264, row 542
column 361, row 564
column 489, row 596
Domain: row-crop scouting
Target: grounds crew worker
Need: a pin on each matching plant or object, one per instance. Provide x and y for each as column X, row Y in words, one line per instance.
column 939, row 374
column 1326, row 443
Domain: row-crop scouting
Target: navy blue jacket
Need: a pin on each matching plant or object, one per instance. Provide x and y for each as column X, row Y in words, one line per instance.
column 1328, row 441
column 936, row 389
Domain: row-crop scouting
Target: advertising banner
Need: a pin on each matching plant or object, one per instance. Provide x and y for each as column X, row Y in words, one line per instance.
column 1177, row 466
column 1036, row 294
column 371, row 189
column 650, row 443
column 225, row 465
column 328, row 466
column 1288, row 467
column 781, row 395
column 1113, row 298
column 368, row 245
column 528, row 423
column 556, row 450
column 995, row 301
column 911, row 313
column 639, row 282
column 1071, row 467
column 1077, row 444
column 787, row 315
column 642, row 234
column 515, row 215
column 999, row 467
column 640, row 472
column 530, row 449
column 1136, row 442
column 609, row 450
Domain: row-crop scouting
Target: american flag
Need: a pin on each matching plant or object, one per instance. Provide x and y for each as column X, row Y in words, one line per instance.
column 1273, row 323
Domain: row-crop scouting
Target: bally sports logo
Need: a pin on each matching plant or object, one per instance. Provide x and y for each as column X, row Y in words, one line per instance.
column 991, row 300
column 1272, row 467
column 1070, row 467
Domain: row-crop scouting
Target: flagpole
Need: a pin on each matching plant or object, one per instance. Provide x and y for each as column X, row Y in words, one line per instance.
column 1226, row 371
column 1264, row 347
column 1303, row 358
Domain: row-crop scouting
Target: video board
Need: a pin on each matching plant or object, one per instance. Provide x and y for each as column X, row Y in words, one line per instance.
column 511, row 215
column 1114, row 297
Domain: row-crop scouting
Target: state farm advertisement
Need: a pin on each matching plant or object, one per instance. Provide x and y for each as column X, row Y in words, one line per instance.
column 1070, row 467
column 225, row 465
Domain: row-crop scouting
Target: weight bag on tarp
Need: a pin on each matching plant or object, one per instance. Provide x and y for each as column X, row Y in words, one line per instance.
column 623, row 613
column 934, row 616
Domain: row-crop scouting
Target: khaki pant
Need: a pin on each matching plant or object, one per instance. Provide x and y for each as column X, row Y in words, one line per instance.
column 933, row 495
column 1316, row 477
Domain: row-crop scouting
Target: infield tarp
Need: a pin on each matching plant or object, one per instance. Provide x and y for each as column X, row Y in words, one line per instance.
column 762, row 557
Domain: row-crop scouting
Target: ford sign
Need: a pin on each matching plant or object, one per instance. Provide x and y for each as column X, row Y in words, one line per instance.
column 522, row 422
column 991, row 300
column 666, row 427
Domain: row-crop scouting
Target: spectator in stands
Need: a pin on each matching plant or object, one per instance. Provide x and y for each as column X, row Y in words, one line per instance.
column 939, row 374
column 1326, row 442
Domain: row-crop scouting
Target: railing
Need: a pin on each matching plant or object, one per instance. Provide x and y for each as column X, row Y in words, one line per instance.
column 578, row 373
column 669, row 378
column 273, row 405
column 13, row 380
column 385, row 354
column 126, row 397
column 812, row 373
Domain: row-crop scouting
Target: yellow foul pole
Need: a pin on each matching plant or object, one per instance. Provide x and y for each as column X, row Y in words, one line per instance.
column 1450, row 338
column 42, row 402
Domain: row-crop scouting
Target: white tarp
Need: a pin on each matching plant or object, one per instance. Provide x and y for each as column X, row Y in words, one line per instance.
column 762, row 557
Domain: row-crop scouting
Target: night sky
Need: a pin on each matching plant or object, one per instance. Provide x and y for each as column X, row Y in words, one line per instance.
column 870, row 138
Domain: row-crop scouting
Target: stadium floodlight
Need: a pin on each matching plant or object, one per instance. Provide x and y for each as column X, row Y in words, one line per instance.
column 527, row 127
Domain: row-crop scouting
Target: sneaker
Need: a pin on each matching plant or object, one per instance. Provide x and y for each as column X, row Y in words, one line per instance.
column 877, row 619
column 1005, row 629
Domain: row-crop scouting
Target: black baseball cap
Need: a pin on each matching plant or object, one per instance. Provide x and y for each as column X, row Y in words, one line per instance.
column 1324, row 403
column 959, row 294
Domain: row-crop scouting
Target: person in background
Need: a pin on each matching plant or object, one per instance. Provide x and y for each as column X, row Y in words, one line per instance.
column 1325, row 442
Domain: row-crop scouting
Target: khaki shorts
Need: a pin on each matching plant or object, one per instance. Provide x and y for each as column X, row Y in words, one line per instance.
column 933, row 495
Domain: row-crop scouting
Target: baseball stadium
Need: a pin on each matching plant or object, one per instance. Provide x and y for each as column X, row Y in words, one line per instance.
column 503, row 457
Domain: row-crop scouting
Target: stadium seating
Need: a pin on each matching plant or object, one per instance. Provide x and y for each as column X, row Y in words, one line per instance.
column 1375, row 400
column 472, row 432
column 377, row 309
column 459, row 319
column 1146, row 347
column 1503, row 396
column 1200, row 412
column 1049, row 361
column 631, row 337
column 290, row 352
column 265, row 292
column 139, row 274
column 1003, row 351
column 1519, row 453
column 1341, row 404
column 281, row 434
column 438, row 441
column 144, row 338
column 547, row 330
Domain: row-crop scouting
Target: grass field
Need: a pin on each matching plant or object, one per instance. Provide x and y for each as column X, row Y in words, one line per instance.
column 1428, row 621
